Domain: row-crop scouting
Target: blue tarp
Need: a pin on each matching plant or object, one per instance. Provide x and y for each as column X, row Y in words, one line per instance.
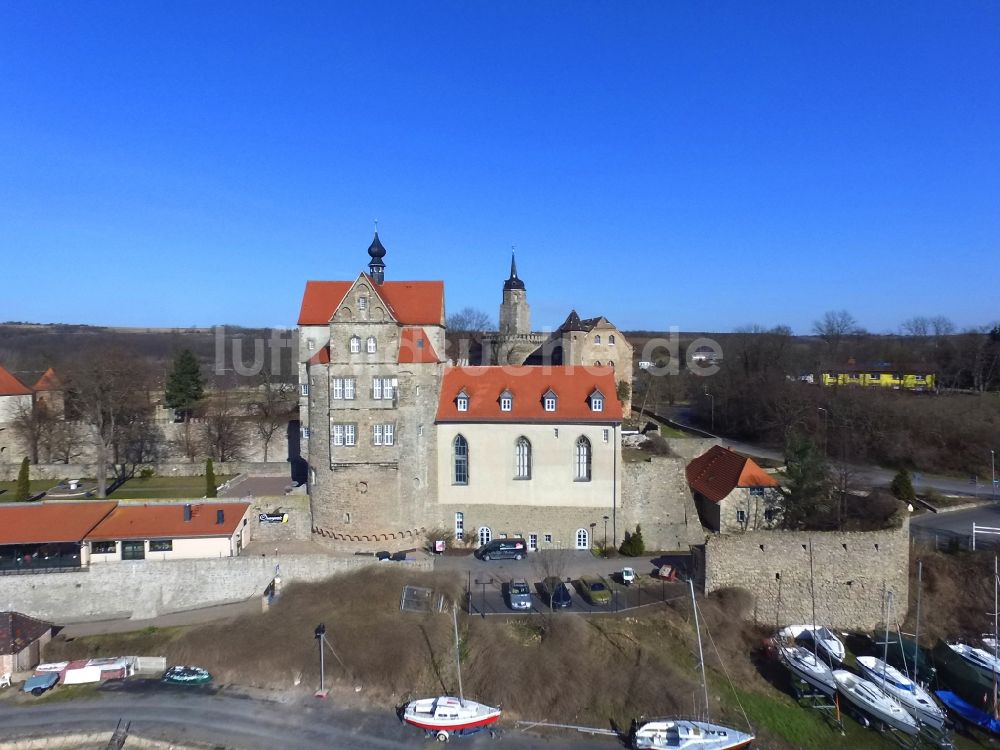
column 968, row 712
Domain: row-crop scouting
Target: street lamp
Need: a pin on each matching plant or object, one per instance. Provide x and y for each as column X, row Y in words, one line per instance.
column 993, row 465
column 593, row 525
column 826, row 427
column 320, row 634
column 605, row 537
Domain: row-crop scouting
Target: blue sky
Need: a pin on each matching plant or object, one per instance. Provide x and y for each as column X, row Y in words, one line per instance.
column 704, row 165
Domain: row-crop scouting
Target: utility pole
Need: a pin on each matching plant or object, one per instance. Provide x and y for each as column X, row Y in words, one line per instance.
column 993, row 464
column 605, row 537
column 712, row 400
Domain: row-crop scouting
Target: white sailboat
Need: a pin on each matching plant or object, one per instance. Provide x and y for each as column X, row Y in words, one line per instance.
column 446, row 715
column 911, row 696
column 980, row 659
column 825, row 639
column 689, row 734
column 807, row 666
column 871, row 700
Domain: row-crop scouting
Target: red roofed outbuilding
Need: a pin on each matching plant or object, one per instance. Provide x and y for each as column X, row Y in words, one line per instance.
column 732, row 493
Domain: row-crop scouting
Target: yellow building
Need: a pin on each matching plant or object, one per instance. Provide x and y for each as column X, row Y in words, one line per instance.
column 882, row 376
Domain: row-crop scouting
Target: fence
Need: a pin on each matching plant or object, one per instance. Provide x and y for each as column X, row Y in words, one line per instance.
column 976, row 539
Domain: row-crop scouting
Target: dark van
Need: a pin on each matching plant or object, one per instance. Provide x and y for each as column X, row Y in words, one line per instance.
column 503, row 549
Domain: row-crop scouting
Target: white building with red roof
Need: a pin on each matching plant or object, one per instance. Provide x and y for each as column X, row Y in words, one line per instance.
column 530, row 452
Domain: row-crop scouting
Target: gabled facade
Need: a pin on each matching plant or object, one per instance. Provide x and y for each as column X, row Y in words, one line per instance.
column 731, row 492
column 370, row 354
column 528, row 451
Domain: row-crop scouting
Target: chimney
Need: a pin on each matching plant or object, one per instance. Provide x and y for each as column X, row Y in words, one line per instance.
column 187, row 512
column 220, row 517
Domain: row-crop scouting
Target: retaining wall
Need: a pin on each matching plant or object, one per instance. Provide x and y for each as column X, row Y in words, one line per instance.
column 852, row 573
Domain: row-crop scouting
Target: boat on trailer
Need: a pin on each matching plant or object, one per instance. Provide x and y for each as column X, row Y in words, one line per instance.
column 825, row 640
column 968, row 712
column 447, row 715
column 980, row 659
column 868, row 698
column 808, row 667
column 660, row 734
column 911, row 696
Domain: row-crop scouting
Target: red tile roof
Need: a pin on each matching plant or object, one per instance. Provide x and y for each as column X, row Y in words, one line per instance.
column 410, row 302
column 416, row 347
column 718, row 471
column 322, row 357
column 18, row 631
column 527, row 385
column 49, row 381
column 11, row 386
column 41, row 523
column 167, row 521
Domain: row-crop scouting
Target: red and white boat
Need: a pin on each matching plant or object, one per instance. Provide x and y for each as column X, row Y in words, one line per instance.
column 445, row 715
column 448, row 715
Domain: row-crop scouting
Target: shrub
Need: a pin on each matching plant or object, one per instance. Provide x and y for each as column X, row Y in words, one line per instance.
column 633, row 545
column 439, row 534
column 210, row 488
column 146, row 473
column 902, row 487
column 23, row 491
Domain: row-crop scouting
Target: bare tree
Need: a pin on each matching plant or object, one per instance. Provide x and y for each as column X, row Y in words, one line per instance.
column 269, row 411
column 942, row 326
column 63, row 441
column 470, row 319
column 32, row 424
column 834, row 327
column 188, row 441
column 918, row 326
column 109, row 391
column 224, row 432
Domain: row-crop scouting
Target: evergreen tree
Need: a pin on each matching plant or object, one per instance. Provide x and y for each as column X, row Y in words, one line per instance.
column 210, row 489
column 185, row 384
column 807, row 496
column 902, row 487
column 638, row 545
column 23, row 491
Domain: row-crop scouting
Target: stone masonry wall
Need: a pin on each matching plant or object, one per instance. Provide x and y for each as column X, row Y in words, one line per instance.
column 852, row 573
column 147, row 588
column 655, row 494
column 8, row 472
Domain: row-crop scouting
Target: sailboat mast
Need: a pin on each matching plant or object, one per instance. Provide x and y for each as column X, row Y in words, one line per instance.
column 458, row 656
column 916, row 633
column 885, row 646
column 701, row 655
column 996, row 633
column 812, row 594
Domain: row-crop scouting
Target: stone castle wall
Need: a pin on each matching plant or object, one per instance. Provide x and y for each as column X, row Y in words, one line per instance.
column 655, row 494
column 852, row 571
column 144, row 589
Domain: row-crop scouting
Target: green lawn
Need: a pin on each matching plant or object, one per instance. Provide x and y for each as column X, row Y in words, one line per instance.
column 165, row 488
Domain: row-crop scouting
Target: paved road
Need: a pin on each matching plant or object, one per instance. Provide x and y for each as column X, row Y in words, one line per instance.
column 957, row 523
column 876, row 476
column 239, row 721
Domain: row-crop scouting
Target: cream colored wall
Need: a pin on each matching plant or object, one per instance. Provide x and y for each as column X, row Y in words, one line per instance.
column 491, row 466
column 11, row 406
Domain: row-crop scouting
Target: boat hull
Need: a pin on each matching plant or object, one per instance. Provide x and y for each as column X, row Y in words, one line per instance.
column 917, row 701
column 667, row 734
column 850, row 685
column 817, row 676
column 446, row 714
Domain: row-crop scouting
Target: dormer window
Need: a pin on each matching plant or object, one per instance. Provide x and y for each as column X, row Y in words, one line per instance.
column 462, row 401
column 355, row 344
column 596, row 401
column 506, row 401
column 549, row 400
column 362, row 303
column 597, row 339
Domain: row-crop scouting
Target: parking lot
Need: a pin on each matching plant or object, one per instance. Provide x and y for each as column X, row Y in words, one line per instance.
column 487, row 582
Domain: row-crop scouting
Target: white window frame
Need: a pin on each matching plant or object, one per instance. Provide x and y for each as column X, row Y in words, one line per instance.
column 337, row 434
column 547, row 538
column 506, row 403
column 597, row 404
column 350, row 435
column 355, row 344
column 459, row 526
column 389, row 434
column 349, row 389
column 362, row 303
column 337, row 392
column 741, row 516
column 583, row 453
column 485, row 535
column 305, row 433
column 310, row 344
column 371, row 345
column 533, row 542
column 462, row 402
column 377, row 389
column 584, row 536
column 522, row 458
column 376, row 434
column 457, row 478
column 550, row 403
column 303, row 389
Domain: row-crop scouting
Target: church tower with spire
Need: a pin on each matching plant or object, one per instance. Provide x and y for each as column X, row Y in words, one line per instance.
column 515, row 314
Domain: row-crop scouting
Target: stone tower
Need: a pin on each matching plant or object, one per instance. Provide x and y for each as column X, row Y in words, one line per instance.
column 515, row 314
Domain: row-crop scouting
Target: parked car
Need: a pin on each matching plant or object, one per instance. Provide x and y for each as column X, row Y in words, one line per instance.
column 628, row 576
column 39, row 683
column 667, row 573
column 596, row 591
column 557, row 592
column 519, row 594
column 503, row 549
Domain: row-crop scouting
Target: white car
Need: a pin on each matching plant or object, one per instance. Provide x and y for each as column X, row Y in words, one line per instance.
column 628, row 576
